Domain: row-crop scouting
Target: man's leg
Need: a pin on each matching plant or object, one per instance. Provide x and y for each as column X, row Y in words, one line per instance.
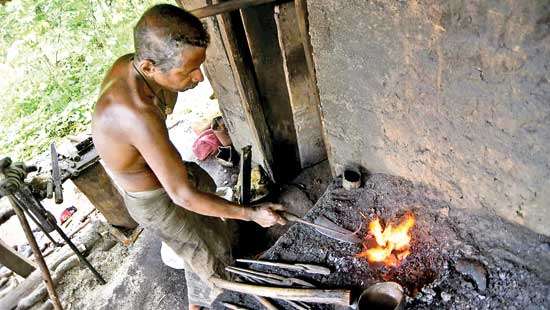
column 199, row 294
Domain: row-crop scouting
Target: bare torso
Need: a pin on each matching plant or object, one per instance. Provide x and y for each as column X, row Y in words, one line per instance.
column 122, row 91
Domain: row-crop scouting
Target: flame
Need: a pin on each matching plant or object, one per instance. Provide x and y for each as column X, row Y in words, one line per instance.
column 392, row 244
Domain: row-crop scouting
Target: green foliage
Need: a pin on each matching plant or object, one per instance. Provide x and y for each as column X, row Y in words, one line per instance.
column 53, row 56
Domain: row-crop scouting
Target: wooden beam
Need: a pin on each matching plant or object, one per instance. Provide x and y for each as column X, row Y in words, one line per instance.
column 246, row 84
column 302, row 93
column 225, row 7
column 303, row 25
column 15, row 261
column 260, row 30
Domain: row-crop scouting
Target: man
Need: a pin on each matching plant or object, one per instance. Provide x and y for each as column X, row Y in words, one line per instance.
column 162, row 192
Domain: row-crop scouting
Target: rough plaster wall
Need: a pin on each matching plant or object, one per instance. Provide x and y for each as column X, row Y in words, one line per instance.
column 221, row 77
column 455, row 94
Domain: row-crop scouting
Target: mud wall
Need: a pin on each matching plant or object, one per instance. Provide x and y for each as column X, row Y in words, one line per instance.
column 454, row 94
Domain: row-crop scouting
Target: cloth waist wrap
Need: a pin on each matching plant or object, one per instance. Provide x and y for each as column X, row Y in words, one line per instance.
column 204, row 243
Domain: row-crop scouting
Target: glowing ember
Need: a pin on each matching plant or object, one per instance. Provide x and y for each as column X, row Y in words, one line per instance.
column 390, row 245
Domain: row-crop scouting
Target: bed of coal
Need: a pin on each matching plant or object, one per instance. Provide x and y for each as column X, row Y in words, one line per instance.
column 460, row 258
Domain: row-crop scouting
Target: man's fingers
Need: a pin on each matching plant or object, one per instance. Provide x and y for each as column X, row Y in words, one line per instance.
column 281, row 220
column 278, row 218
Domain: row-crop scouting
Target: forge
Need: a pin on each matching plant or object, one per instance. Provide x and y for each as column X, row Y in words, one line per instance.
column 456, row 259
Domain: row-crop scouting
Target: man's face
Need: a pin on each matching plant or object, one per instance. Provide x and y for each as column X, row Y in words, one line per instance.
column 185, row 76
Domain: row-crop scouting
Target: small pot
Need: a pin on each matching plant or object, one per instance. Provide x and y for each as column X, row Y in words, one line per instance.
column 381, row 296
column 351, row 178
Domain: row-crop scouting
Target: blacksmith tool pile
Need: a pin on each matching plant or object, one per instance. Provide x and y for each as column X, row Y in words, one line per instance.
column 297, row 293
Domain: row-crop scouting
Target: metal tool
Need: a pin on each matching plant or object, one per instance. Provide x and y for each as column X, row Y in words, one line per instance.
column 298, row 305
column 56, row 175
column 326, row 227
column 254, row 279
column 308, row 268
column 244, row 175
column 269, row 278
column 233, row 306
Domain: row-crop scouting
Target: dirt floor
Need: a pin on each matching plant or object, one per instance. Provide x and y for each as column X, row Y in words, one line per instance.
column 460, row 259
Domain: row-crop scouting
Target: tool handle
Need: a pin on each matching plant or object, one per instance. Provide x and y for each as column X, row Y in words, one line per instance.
column 58, row 194
column 338, row 297
column 291, row 217
column 294, row 218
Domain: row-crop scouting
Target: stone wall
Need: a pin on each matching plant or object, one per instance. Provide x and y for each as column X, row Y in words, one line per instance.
column 454, row 94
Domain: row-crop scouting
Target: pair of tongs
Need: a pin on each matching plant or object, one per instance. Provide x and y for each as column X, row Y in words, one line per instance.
column 308, row 268
column 269, row 278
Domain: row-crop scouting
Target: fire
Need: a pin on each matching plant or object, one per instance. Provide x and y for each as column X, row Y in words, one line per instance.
column 390, row 245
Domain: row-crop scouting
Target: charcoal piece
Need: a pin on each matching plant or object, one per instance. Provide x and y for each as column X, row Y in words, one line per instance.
column 474, row 271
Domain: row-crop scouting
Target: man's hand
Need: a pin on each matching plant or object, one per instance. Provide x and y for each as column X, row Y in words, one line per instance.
column 265, row 214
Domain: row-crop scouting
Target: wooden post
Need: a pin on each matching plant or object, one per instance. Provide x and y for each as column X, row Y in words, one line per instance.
column 46, row 276
column 96, row 184
column 303, row 25
column 302, row 93
column 248, row 91
column 15, row 261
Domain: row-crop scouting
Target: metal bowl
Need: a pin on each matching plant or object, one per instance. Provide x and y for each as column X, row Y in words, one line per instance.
column 382, row 296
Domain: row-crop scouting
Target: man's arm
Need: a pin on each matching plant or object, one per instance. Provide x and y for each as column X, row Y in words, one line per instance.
column 148, row 133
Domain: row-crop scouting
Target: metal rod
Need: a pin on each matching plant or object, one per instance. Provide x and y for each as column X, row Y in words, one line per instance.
column 246, row 164
column 37, row 254
column 80, row 256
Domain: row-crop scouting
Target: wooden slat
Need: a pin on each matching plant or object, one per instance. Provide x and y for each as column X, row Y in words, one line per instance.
column 225, row 7
column 260, row 29
column 15, row 261
column 248, row 91
column 302, row 94
column 303, row 25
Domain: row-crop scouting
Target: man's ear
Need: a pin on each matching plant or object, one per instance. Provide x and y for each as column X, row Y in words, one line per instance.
column 148, row 68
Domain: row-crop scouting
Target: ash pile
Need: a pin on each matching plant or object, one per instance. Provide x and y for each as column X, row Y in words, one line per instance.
column 458, row 258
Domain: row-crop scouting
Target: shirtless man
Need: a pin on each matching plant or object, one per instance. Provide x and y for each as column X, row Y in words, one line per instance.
column 130, row 134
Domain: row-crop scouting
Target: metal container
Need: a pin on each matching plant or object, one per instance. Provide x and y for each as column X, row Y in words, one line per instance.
column 351, row 178
column 382, row 296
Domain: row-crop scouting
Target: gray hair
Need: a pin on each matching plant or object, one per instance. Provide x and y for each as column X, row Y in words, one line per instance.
column 163, row 32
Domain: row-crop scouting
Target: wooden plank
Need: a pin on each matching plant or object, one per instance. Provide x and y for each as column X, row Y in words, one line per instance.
column 225, row 7
column 261, row 35
column 248, row 91
column 98, row 187
column 303, row 25
column 15, row 261
column 302, row 94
